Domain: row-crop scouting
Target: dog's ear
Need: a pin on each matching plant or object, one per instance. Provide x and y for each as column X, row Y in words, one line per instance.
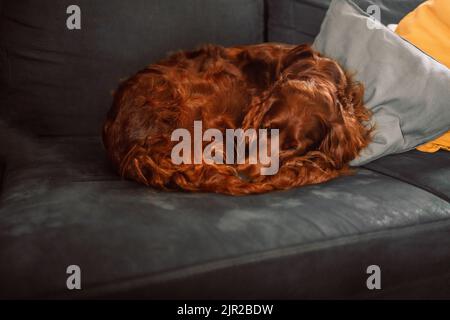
column 345, row 138
column 347, row 131
column 296, row 54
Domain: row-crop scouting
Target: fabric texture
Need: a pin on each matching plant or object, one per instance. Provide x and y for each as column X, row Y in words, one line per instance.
column 441, row 143
column 428, row 171
column 63, row 205
column 58, row 81
column 428, row 28
column 298, row 21
column 407, row 91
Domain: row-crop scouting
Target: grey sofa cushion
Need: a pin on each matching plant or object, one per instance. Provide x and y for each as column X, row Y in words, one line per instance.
column 429, row 171
column 62, row 205
column 295, row 21
column 298, row 21
column 407, row 91
column 57, row 81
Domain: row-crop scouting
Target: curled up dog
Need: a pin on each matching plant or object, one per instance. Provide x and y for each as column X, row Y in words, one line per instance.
column 294, row 111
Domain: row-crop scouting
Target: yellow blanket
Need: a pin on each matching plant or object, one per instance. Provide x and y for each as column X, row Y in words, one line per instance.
column 428, row 28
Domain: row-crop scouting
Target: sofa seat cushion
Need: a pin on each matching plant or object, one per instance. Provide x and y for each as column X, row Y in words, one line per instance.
column 429, row 171
column 62, row 205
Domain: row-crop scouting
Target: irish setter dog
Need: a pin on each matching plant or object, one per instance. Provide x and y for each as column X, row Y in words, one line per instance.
column 314, row 103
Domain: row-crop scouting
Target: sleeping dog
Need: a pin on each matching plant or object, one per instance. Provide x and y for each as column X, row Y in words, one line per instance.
column 313, row 105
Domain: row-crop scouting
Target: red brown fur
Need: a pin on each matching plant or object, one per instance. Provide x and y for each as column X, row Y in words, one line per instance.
column 316, row 106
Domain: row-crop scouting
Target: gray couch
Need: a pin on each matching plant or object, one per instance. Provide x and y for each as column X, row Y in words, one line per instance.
column 61, row 204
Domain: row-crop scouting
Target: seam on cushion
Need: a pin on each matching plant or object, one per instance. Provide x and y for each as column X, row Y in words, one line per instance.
column 261, row 23
column 404, row 39
column 117, row 286
column 430, row 190
column 265, row 20
column 2, row 176
column 7, row 70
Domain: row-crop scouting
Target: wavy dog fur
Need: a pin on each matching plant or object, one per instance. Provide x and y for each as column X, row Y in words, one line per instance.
column 315, row 104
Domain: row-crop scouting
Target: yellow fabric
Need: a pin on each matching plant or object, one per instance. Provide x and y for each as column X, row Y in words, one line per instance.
column 428, row 28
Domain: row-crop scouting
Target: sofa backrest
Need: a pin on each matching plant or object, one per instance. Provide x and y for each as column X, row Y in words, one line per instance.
column 57, row 81
column 299, row 21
